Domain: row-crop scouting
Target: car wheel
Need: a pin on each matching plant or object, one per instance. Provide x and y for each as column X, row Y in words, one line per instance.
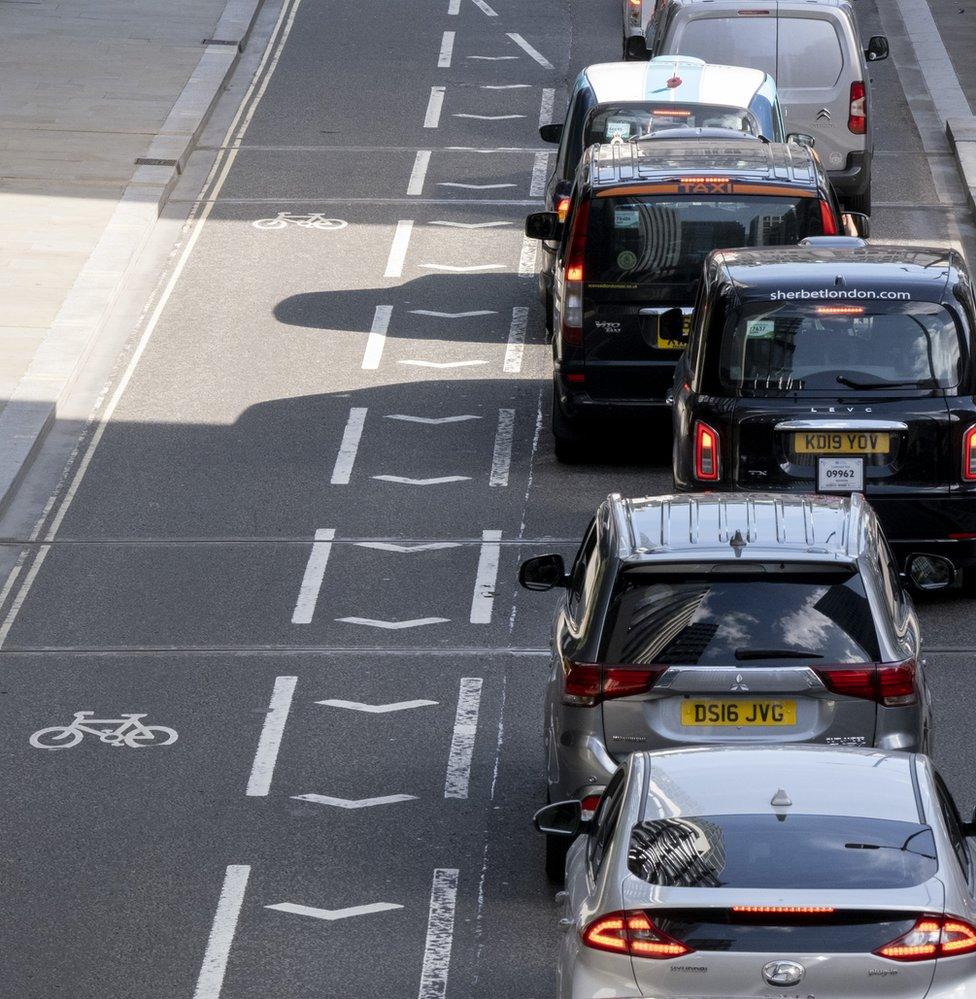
column 567, row 440
column 556, row 849
column 860, row 202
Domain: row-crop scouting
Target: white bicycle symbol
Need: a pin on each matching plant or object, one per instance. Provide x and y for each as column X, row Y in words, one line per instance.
column 126, row 731
column 314, row 220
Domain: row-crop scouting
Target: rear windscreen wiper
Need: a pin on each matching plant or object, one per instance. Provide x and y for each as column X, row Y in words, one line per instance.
column 776, row 654
column 852, row 383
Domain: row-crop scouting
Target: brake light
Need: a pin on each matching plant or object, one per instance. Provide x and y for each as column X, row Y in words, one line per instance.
column 588, row 684
column 839, row 310
column 857, row 120
column 707, row 453
column 892, row 685
column 572, row 301
column 784, row 910
column 589, row 805
column 827, row 221
column 703, row 180
column 969, row 455
column 931, row 937
column 562, row 207
column 632, row 933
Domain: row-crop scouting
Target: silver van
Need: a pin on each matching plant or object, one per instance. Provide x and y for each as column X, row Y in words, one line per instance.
column 813, row 52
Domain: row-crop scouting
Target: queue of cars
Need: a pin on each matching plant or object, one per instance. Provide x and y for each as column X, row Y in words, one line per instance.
column 737, row 719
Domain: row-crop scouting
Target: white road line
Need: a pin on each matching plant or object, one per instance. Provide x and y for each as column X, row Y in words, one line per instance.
column 527, row 257
column 377, row 337
column 492, row 58
column 540, row 170
column 527, row 48
column 433, row 117
column 486, row 578
column 377, row 709
column 507, row 86
column 454, row 7
column 516, row 341
column 462, row 741
column 333, row 914
column 432, row 420
column 417, row 622
column 463, row 268
column 349, row 803
column 398, row 248
column 423, row 546
column 447, row 50
column 469, row 225
column 262, row 770
column 472, row 187
column 351, row 437
column 545, row 107
column 501, row 458
column 481, row 5
column 454, row 315
column 443, row 364
column 405, row 480
column 318, row 559
column 415, row 186
column 487, row 117
column 440, row 934
column 211, row 978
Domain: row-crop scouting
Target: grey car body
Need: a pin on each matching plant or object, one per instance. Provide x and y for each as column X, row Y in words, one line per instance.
column 812, row 50
column 726, row 600
column 744, row 857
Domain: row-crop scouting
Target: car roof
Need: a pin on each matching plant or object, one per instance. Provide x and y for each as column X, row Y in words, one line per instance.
column 817, row 780
column 661, row 159
column 746, row 526
column 772, row 5
column 922, row 272
column 701, row 82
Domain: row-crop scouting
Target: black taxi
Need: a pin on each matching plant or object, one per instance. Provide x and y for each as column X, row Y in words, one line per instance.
column 836, row 367
column 643, row 215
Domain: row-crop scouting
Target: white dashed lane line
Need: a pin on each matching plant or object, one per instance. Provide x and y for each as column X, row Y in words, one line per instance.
column 398, row 249
column 349, row 448
column 434, row 104
column 318, row 559
column 447, row 51
column 214, row 967
column 440, row 934
column 262, row 770
column 462, row 740
column 486, row 577
column 418, row 175
column 377, row 337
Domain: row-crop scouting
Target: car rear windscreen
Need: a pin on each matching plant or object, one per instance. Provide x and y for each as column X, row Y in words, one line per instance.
column 631, row 121
column 790, row 346
column 725, row 620
column 731, row 41
column 782, row 852
column 655, row 245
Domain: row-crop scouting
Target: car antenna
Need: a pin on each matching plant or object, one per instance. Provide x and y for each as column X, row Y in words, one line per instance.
column 781, row 799
column 738, row 542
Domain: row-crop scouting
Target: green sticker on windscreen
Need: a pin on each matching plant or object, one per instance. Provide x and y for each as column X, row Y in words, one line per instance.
column 627, row 260
column 626, row 218
column 760, row 329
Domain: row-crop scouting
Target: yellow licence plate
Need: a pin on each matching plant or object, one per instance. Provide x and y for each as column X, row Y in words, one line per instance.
column 738, row 712
column 663, row 344
column 841, row 442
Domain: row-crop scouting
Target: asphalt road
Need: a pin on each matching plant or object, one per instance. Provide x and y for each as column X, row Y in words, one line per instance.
column 318, row 468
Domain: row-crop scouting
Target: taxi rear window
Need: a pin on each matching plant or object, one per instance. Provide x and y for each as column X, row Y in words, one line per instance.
column 629, row 121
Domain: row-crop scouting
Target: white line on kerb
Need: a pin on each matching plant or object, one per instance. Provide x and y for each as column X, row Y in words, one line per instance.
column 545, row 108
column 415, row 186
column 349, row 446
column 462, row 741
column 262, row 770
column 318, row 559
column 527, row 257
column 535, row 53
column 501, row 457
column 540, row 170
column 433, row 117
column 377, row 337
column 440, row 934
column 516, row 341
column 447, row 50
column 214, row 967
column 398, row 248
column 486, row 578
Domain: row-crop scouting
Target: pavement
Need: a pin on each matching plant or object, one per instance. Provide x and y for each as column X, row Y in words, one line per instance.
column 291, row 535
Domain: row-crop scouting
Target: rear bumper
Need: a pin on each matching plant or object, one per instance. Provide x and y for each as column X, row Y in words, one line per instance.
column 855, row 178
column 581, row 402
column 931, row 525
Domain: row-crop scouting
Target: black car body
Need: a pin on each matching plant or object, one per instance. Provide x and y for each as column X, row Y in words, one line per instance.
column 837, row 366
column 642, row 218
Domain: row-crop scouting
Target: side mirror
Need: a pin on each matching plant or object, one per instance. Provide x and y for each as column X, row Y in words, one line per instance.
column 801, row 139
column 671, row 325
column 544, row 572
column 543, row 225
column 564, row 818
column 877, row 48
column 551, row 133
column 927, row 573
column 856, row 224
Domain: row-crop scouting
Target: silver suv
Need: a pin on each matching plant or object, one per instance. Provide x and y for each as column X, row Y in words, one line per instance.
column 727, row 619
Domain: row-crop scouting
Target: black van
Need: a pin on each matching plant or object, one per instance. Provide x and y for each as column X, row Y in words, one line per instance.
column 642, row 217
column 837, row 367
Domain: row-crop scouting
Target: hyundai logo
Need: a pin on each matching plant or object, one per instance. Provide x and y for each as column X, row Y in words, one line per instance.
column 783, row 973
column 823, row 114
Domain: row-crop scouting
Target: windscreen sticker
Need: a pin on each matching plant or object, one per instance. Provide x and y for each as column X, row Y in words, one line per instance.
column 760, row 329
column 618, row 130
column 626, row 218
column 627, row 260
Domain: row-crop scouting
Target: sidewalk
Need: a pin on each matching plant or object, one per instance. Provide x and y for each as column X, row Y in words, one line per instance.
column 88, row 87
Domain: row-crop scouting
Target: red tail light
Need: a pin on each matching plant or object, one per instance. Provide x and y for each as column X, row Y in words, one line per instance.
column 632, row 933
column 562, row 208
column 588, row 684
column 827, row 221
column 969, row 455
column 857, row 120
column 589, row 805
column 890, row 684
column 931, row 937
column 572, row 301
column 707, row 453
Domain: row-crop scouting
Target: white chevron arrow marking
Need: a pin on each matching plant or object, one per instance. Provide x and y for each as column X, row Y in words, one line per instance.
column 453, row 315
column 492, row 58
column 433, row 420
column 473, row 187
column 376, row 709
column 333, row 914
column 506, row 86
column 470, row 225
column 417, row 622
column 407, row 481
column 488, row 117
column 463, row 268
column 324, row 799
column 443, row 364
column 424, row 546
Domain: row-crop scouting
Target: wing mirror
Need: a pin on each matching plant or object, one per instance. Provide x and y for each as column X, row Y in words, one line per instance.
column 551, row 133
column 543, row 572
column 801, row 139
column 928, row 573
column 877, row 48
column 543, row 225
column 671, row 325
column 564, row 818
column 856, row 224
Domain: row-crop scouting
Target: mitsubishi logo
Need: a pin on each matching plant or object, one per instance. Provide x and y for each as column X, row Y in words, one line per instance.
column 783, row 973
column 823, row 114
column 738, row 684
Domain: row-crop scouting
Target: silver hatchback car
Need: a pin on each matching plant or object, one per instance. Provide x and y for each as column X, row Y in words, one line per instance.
column 724, row 618
column 796, row 871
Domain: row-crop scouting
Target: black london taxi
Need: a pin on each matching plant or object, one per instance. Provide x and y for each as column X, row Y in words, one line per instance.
column 837, row 366
column 642, row 217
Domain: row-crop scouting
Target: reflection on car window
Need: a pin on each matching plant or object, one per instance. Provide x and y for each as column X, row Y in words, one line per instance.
column 628, row 121
column 809, row 53
column 732, row 41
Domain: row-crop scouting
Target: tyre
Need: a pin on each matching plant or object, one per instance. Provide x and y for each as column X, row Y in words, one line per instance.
column 859, row 202
column 556, row 849
column 57, row 737
column 568, row 443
